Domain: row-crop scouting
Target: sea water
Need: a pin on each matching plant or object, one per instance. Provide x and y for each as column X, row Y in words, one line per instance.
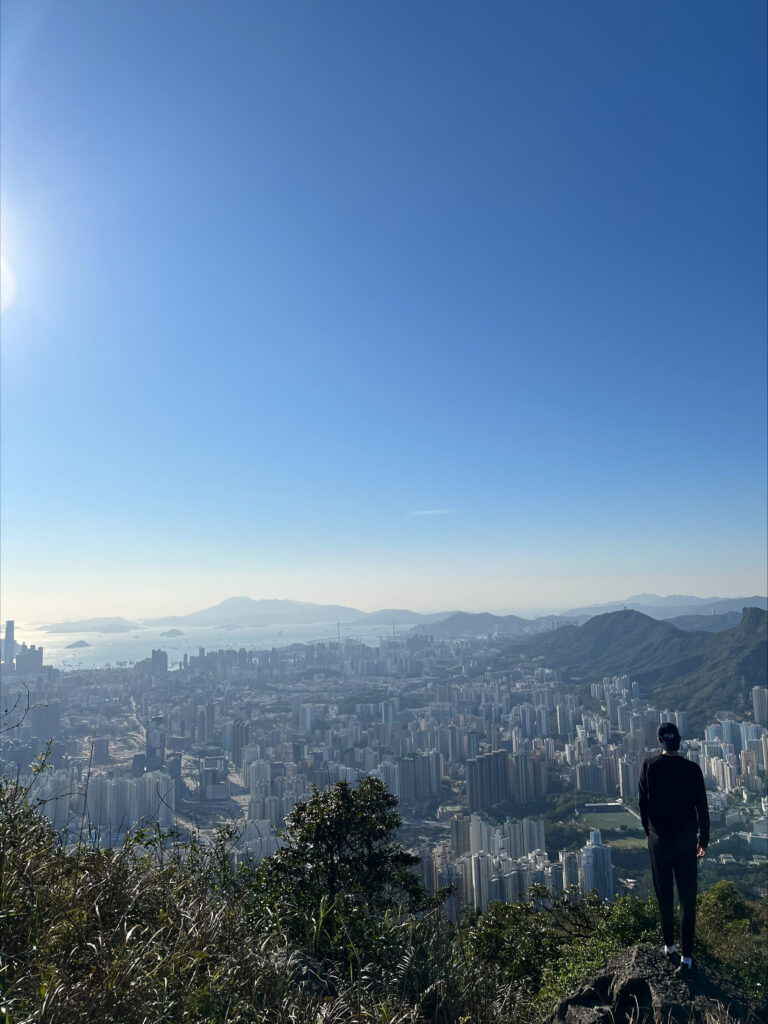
column 119, row 650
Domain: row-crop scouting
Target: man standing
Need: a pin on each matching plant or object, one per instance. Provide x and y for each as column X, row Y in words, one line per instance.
column 675, row 816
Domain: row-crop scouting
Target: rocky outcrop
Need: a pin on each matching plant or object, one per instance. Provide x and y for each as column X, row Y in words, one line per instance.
column 640, row 986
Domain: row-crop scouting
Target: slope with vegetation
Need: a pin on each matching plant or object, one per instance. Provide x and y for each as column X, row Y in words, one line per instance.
column 333, row 928
column 697, row 672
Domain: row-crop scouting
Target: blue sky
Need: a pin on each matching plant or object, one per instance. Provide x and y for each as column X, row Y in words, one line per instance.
column 288, row 273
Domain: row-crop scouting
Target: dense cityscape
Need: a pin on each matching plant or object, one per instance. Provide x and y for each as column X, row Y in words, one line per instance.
column 480, row 757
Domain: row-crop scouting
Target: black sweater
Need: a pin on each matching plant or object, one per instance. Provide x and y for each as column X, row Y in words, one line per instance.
column 672, row 798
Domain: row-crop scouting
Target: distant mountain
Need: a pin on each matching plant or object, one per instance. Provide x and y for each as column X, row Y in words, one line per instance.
column 603, row 641
column 245, row 611
column 718, row 606
column 461, row 624
column 401, row 617
column 455, row 625
column 671, row 600
column 733, row 661
column 693, row 672
column 110, row 625
column 673, row 606
column 545, row 622
column 706, row 623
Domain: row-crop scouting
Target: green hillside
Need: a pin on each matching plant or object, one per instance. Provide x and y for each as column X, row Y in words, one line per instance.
column 696, row 672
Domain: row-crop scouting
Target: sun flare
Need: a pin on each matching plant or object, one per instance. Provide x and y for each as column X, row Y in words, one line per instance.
column 7, row 285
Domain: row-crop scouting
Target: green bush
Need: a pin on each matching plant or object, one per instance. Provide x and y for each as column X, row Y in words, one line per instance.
column 733, row 930
column 342, row 883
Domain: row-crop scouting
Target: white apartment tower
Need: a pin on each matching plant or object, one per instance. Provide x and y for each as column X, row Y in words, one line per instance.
column 597, row 867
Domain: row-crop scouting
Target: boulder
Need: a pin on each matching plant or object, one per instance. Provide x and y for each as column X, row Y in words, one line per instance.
column 640, row 986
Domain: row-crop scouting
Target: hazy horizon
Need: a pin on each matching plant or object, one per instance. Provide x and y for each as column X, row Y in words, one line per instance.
column 524, row 610
column 378, row 305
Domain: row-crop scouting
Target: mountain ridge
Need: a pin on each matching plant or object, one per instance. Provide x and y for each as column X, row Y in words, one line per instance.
column 673, row 605
column 466, row 624
column 246, row 611
column 671, row 665
column 113, row 624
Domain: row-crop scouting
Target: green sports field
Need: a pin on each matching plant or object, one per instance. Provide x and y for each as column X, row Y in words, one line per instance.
column 613, row 821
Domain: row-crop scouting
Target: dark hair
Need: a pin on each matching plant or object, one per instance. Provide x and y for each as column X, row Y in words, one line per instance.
column 669, row 736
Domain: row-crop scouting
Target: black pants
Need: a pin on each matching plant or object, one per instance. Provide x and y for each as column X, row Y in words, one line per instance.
column 675, row 855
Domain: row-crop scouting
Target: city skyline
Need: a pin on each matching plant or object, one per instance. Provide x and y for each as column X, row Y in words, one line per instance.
column 381, row 307
column 471, row 744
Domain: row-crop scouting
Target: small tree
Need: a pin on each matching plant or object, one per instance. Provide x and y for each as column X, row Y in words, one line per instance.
column 342, row 870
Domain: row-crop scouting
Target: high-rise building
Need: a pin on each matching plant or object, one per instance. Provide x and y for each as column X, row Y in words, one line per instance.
column 201, row 731
column 731, row 734
column 29, row 661
column 681, row 721
column 487, row 780
column 597, row 867
column 533, row 834
column 159, row 662
column 156, row 792
column 591, row 778
column 419, row 776
column 512, row 830
column 553, row 878
column 482, row 832
column 241, row 737
column 759, row 701
column 570, row 862
column 471, row 744
column 756, row 746
column 389, row 773
column 524, row 785
column 629, row 777
column 307, row 718
column 542, row 721
column 565, row 719
column 9, row 645
column 527, row 714
column 155, row 747
column 388, row 710
column 460, row 834
column 482, row 869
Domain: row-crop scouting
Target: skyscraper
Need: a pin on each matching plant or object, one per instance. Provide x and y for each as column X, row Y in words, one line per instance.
column 9, row 646
column 460, row 834
column 487, row 780
column 570, row 862
column 533, row 834
column 155, row 748
column 241, row 737
column 597, row 867
column 419, row 776
column 523, row 779
column 629, row 777
column 759, row 700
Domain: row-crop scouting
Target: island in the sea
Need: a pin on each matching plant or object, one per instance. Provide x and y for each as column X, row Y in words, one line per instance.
column 78, row 643
column 172, row 632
